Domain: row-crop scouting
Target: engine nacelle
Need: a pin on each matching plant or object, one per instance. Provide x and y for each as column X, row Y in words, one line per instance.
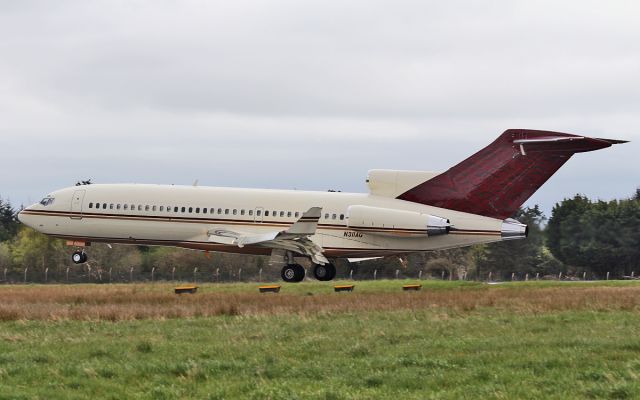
column 392, row 222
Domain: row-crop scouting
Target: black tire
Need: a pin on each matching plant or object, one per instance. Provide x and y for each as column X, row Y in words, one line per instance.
column 79, row 257
column 85, row 257
column 292, row 273
column 324, row 272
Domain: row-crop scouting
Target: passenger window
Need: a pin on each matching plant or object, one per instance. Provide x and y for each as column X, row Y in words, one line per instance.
column 153, row 208
column 259, row 213
column 161, row 208
column 190, row 209
column 118, row 207
column 282, row 213
column 226, row 211
column 266, row 213
column 289, row 214
column 139, row 207
column 90, row 205
column 219, row 211
column 183, row 209
column 241, row 212
column 111, row 206
column 197, row 210
column 250, row 212
column 126, row 206
column 212, row 211
column 175, row 209
column 235, row 212
column 326, row 216
column 341, row 217
column 168, row 208
column 297, row 214
column 275, row 213
column 204, row 210
column 334, row 216
column 97, row 205
column 133, row 207
column 146, row 208
column 104, row 206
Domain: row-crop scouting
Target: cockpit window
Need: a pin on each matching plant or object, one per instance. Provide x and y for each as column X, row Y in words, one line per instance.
column 47, row 201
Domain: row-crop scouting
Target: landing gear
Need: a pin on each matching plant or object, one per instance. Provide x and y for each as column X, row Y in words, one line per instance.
column 292, row 273
column 79, row 257
column 324, row 272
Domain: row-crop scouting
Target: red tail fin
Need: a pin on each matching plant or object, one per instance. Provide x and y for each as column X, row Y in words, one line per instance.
column 499, row 178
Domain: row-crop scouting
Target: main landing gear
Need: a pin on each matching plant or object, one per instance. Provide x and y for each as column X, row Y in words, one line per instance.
column 296, row 273
column 324, row 272
column 79, row 257
column 293, row 273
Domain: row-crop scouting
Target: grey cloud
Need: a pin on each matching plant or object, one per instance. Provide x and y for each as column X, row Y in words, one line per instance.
column 169, row 91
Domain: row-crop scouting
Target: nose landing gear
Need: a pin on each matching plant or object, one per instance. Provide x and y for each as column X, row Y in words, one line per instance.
column 79, row 257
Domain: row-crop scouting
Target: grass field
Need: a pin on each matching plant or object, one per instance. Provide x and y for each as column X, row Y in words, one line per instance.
column 451, row 340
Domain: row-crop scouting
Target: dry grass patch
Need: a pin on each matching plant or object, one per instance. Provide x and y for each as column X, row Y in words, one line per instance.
column 132, row 302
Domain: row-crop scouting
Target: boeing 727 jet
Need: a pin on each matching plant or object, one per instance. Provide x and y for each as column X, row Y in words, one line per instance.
column 403, row 212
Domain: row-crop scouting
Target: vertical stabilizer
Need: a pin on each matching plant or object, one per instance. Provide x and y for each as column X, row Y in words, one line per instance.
column 498, row 179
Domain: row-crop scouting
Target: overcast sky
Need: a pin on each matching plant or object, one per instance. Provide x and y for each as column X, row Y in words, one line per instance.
column 309, row 94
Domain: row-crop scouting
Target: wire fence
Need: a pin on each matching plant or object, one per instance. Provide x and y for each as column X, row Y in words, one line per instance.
column 98, row 275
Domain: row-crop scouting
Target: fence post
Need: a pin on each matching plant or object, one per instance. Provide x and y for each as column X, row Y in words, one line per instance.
column 584, row 276
column 89, row 274
column 397, row 273
column 131, row 274
column 351, row 275
column 632, row 273
column 375, row 274
column 153, row 272
column 420, row 275
column 218, row 274
column 537, row 275
column 67, row 274
column 5, row 275
column 240, row 274
column 513, row 276
column 526, row 277
column 607, row 275
column 25, row 274
column 260, row 275
column 110, row 268
column 442, row 274
column 560, row 276
column 46, row 274
column 195, row 278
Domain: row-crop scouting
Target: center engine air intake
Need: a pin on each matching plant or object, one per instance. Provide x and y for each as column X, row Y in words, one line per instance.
column 391, row 222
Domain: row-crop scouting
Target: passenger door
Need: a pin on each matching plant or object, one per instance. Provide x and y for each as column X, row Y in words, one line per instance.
column 76, row 204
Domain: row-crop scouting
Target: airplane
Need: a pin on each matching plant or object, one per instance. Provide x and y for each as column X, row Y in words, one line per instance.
column 403, row 212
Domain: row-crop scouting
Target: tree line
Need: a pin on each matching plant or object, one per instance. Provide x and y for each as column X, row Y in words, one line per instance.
column 582, row 238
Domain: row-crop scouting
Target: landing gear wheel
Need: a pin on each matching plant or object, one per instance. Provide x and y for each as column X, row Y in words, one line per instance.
column 79, row 257
column 324, row 272
column 292, row 273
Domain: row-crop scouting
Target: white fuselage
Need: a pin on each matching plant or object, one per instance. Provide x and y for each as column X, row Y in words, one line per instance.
column 183, row 215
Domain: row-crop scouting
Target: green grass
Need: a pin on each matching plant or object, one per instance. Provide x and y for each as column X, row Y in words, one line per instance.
column 408, row 354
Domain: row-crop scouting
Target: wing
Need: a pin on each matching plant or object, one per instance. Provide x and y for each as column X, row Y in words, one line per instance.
column 295, row 238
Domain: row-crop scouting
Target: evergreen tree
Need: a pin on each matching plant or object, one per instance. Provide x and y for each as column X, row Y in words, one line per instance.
column 519, row 256
column 8, row 221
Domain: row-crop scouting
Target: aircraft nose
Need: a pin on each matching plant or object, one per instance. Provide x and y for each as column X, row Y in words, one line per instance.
column 19, row 216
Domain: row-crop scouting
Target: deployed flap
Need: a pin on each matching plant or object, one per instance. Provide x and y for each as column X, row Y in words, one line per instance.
column 295, row 238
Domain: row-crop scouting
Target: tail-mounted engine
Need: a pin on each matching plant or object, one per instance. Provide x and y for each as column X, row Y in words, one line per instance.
column 391, row 222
